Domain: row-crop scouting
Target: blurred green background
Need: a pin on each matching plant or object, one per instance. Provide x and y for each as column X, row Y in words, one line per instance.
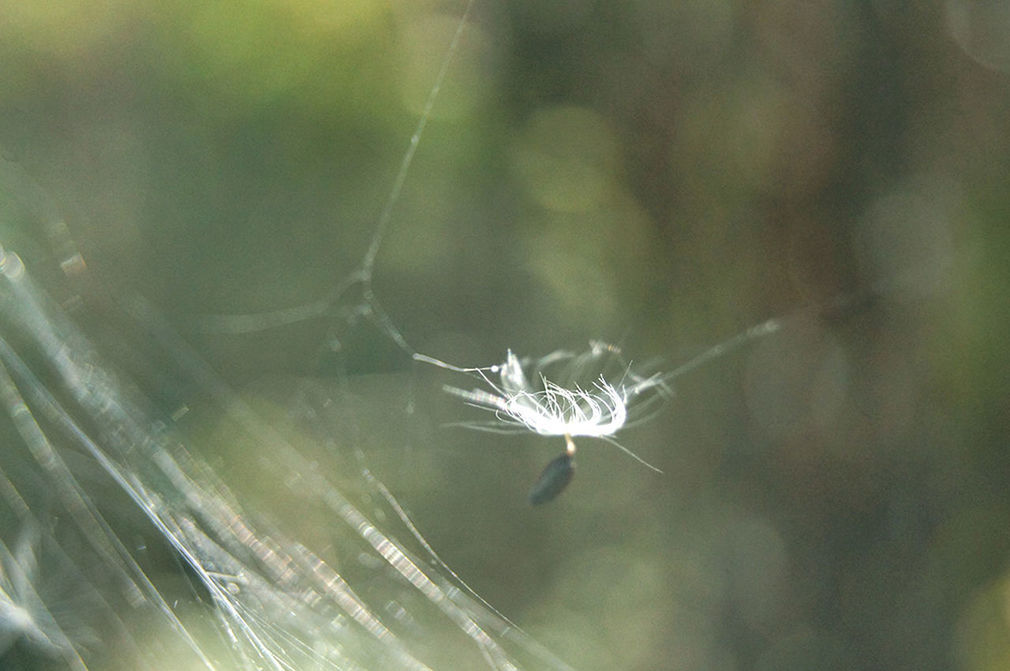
column 657, row 174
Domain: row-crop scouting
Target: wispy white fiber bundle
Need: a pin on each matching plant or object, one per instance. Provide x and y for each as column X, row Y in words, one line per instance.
column 551, row 410
column 597, row 409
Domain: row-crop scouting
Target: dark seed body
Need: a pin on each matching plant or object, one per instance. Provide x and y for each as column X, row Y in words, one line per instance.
column 553, row 480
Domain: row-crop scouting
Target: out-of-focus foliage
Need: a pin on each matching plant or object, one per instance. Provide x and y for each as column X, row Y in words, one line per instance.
column 663, row 174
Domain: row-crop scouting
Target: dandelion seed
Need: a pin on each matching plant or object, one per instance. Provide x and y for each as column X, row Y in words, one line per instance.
column 556, row 476
column 598, row 409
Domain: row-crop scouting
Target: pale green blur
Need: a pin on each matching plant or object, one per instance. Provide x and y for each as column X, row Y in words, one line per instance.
column 659, row 175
